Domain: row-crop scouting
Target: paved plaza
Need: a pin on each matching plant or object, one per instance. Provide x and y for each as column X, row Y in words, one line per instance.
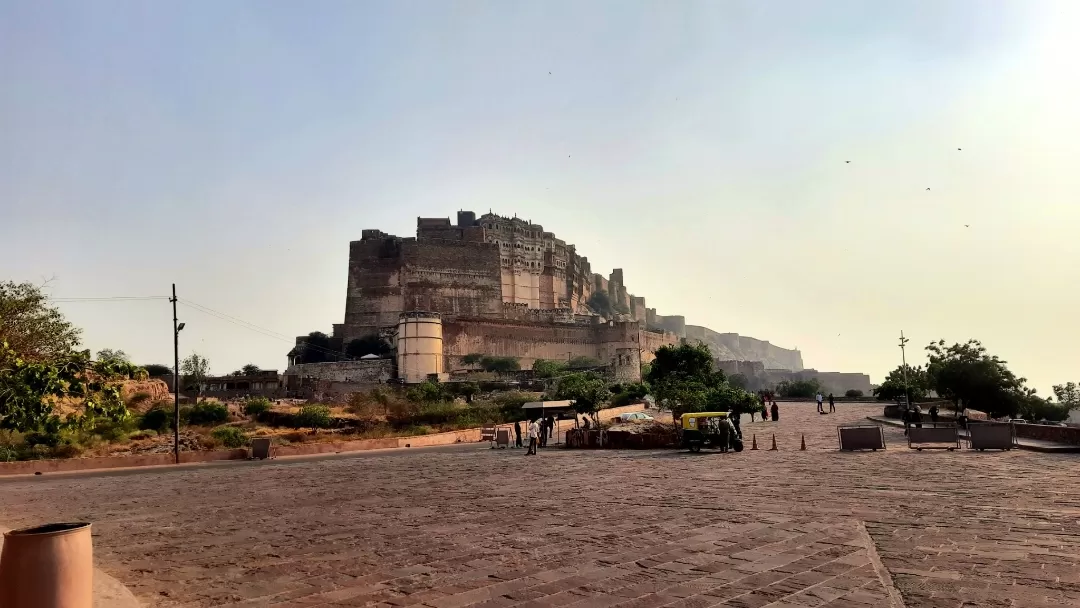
column 469, row 527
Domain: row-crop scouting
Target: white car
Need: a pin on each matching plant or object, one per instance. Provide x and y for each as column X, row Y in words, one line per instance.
column 634, row 416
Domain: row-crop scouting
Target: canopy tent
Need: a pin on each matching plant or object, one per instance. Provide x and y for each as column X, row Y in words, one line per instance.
column 566, row 404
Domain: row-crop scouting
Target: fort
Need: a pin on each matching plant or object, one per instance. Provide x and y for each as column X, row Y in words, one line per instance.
column 504, row 286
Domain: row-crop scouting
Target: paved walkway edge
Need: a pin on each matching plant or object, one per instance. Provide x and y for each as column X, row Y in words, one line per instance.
column 895, row 599
column 108, row 592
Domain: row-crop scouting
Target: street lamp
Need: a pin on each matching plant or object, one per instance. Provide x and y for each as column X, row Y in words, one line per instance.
column 177, row 326
column 903, row 359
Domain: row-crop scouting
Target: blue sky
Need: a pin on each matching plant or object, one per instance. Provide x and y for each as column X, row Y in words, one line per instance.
column 235, row 148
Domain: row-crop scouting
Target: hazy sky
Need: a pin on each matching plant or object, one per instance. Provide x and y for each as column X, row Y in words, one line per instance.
column 235, row 148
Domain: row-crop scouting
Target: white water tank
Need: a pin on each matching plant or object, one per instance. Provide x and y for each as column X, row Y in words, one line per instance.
column 419, row 346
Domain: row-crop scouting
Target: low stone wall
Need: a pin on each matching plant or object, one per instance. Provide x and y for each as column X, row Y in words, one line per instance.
column 1060, row 434
column 620, row 440
column 29, row 467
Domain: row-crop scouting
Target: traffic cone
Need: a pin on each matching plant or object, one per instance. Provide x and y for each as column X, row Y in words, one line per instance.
column 773, row 448
column 803, row 446
column 754, row 446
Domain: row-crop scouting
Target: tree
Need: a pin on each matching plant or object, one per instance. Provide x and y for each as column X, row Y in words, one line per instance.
column 739, row 381
column 195, row 370
column 547, row 368
column 31, row 327
column 472, row 358
column 370, row 345
column 682, row 376
column 600, row 303
column 1068, row 394
column 156, row 370
column 583, row 363
column 853, row 393
column 588, row 391
column 247, row 370
column 965, row 373
column 316, row 347
column 500, row 364
column 904, row 381
column 113, row 356
column 799, row 388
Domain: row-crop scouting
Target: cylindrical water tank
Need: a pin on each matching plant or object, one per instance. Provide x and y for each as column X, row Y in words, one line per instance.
column 419, row 346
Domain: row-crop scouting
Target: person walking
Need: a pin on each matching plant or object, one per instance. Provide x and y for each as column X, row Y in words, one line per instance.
column 820, row 409
column 534, row 436
column 517, row 433
column 775, row 412
column 832, row 404
column 551, row 427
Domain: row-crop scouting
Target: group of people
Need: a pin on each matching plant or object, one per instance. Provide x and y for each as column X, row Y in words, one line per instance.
column 821, row 404
column 766, row 398
column 912, row 416
column 538, row 432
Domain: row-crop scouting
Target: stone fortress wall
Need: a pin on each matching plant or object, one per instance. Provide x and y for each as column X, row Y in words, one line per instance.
column 507, row 287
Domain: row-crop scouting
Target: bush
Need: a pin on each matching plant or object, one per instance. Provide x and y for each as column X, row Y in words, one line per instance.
column 144, row 434
column 853, row 393
column 230, row 436
column 207, row 412
column 500, row 364
column 157, row 420
column 312, row 417
column 799, row 388
column 139, row 398
column 256, row 406
column 426, row 392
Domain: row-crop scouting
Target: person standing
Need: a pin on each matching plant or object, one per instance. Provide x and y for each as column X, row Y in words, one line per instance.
column 832, row 404
column 775, row 412
column 933, row 413
column 517, row 433
column 551, row 427
column 820, row 409
column 534, row 436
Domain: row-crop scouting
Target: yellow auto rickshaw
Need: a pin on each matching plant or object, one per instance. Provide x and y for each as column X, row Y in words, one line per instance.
column 709, row 430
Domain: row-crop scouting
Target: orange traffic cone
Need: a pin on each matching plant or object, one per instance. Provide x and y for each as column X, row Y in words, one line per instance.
column 803, row 446
column 754, row 446
column 773, row 448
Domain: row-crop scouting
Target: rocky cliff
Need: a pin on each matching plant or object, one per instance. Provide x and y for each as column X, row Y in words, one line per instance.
column 733, row 347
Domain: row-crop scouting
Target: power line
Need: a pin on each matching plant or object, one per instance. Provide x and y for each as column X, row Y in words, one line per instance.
column 111, row 299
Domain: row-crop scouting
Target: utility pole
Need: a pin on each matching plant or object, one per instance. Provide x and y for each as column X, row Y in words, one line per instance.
column 176, row 378
column 903, row 359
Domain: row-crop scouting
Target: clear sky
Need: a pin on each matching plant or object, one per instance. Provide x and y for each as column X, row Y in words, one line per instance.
column 235, row 148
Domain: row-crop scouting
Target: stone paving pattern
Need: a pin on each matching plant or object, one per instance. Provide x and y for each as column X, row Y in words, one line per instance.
column 479, row 528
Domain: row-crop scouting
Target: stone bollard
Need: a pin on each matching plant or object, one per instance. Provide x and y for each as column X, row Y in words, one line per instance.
column 803, row 446
column 753, row 446
column 49, row 566
column 773, row 448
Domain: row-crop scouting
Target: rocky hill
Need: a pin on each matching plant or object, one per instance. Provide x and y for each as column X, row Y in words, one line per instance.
column 727, row 347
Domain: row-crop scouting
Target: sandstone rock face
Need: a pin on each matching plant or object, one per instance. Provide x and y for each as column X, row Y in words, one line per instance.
column 727, row 347
column 157, row 390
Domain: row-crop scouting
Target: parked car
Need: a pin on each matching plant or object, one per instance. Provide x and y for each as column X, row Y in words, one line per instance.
column 634, row 416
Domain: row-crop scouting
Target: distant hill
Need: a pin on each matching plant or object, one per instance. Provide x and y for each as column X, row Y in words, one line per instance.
column 728, row 347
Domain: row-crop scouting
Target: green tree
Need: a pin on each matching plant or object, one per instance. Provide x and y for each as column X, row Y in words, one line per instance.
column 739, row 381
column 966, row 373
column 799, row 388
column 1068, row 394
column 912, row 382
column 600, row 303
column 583, row 363
column 588, row 391
column 681, row 377
column 195, row 369
column 500, row 364
column 156, row 370
column 426, row 392
column 316, row 347
column 472, row 358
column 853, row 393
column 370, row 345
column 547, row 368
column 113, row 356
column 31, row 327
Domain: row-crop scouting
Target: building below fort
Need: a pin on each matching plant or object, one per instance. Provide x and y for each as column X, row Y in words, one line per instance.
column 506, row 287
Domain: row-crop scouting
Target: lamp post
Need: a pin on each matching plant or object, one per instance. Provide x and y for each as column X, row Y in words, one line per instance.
column 903, row 360
column 176, row 378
